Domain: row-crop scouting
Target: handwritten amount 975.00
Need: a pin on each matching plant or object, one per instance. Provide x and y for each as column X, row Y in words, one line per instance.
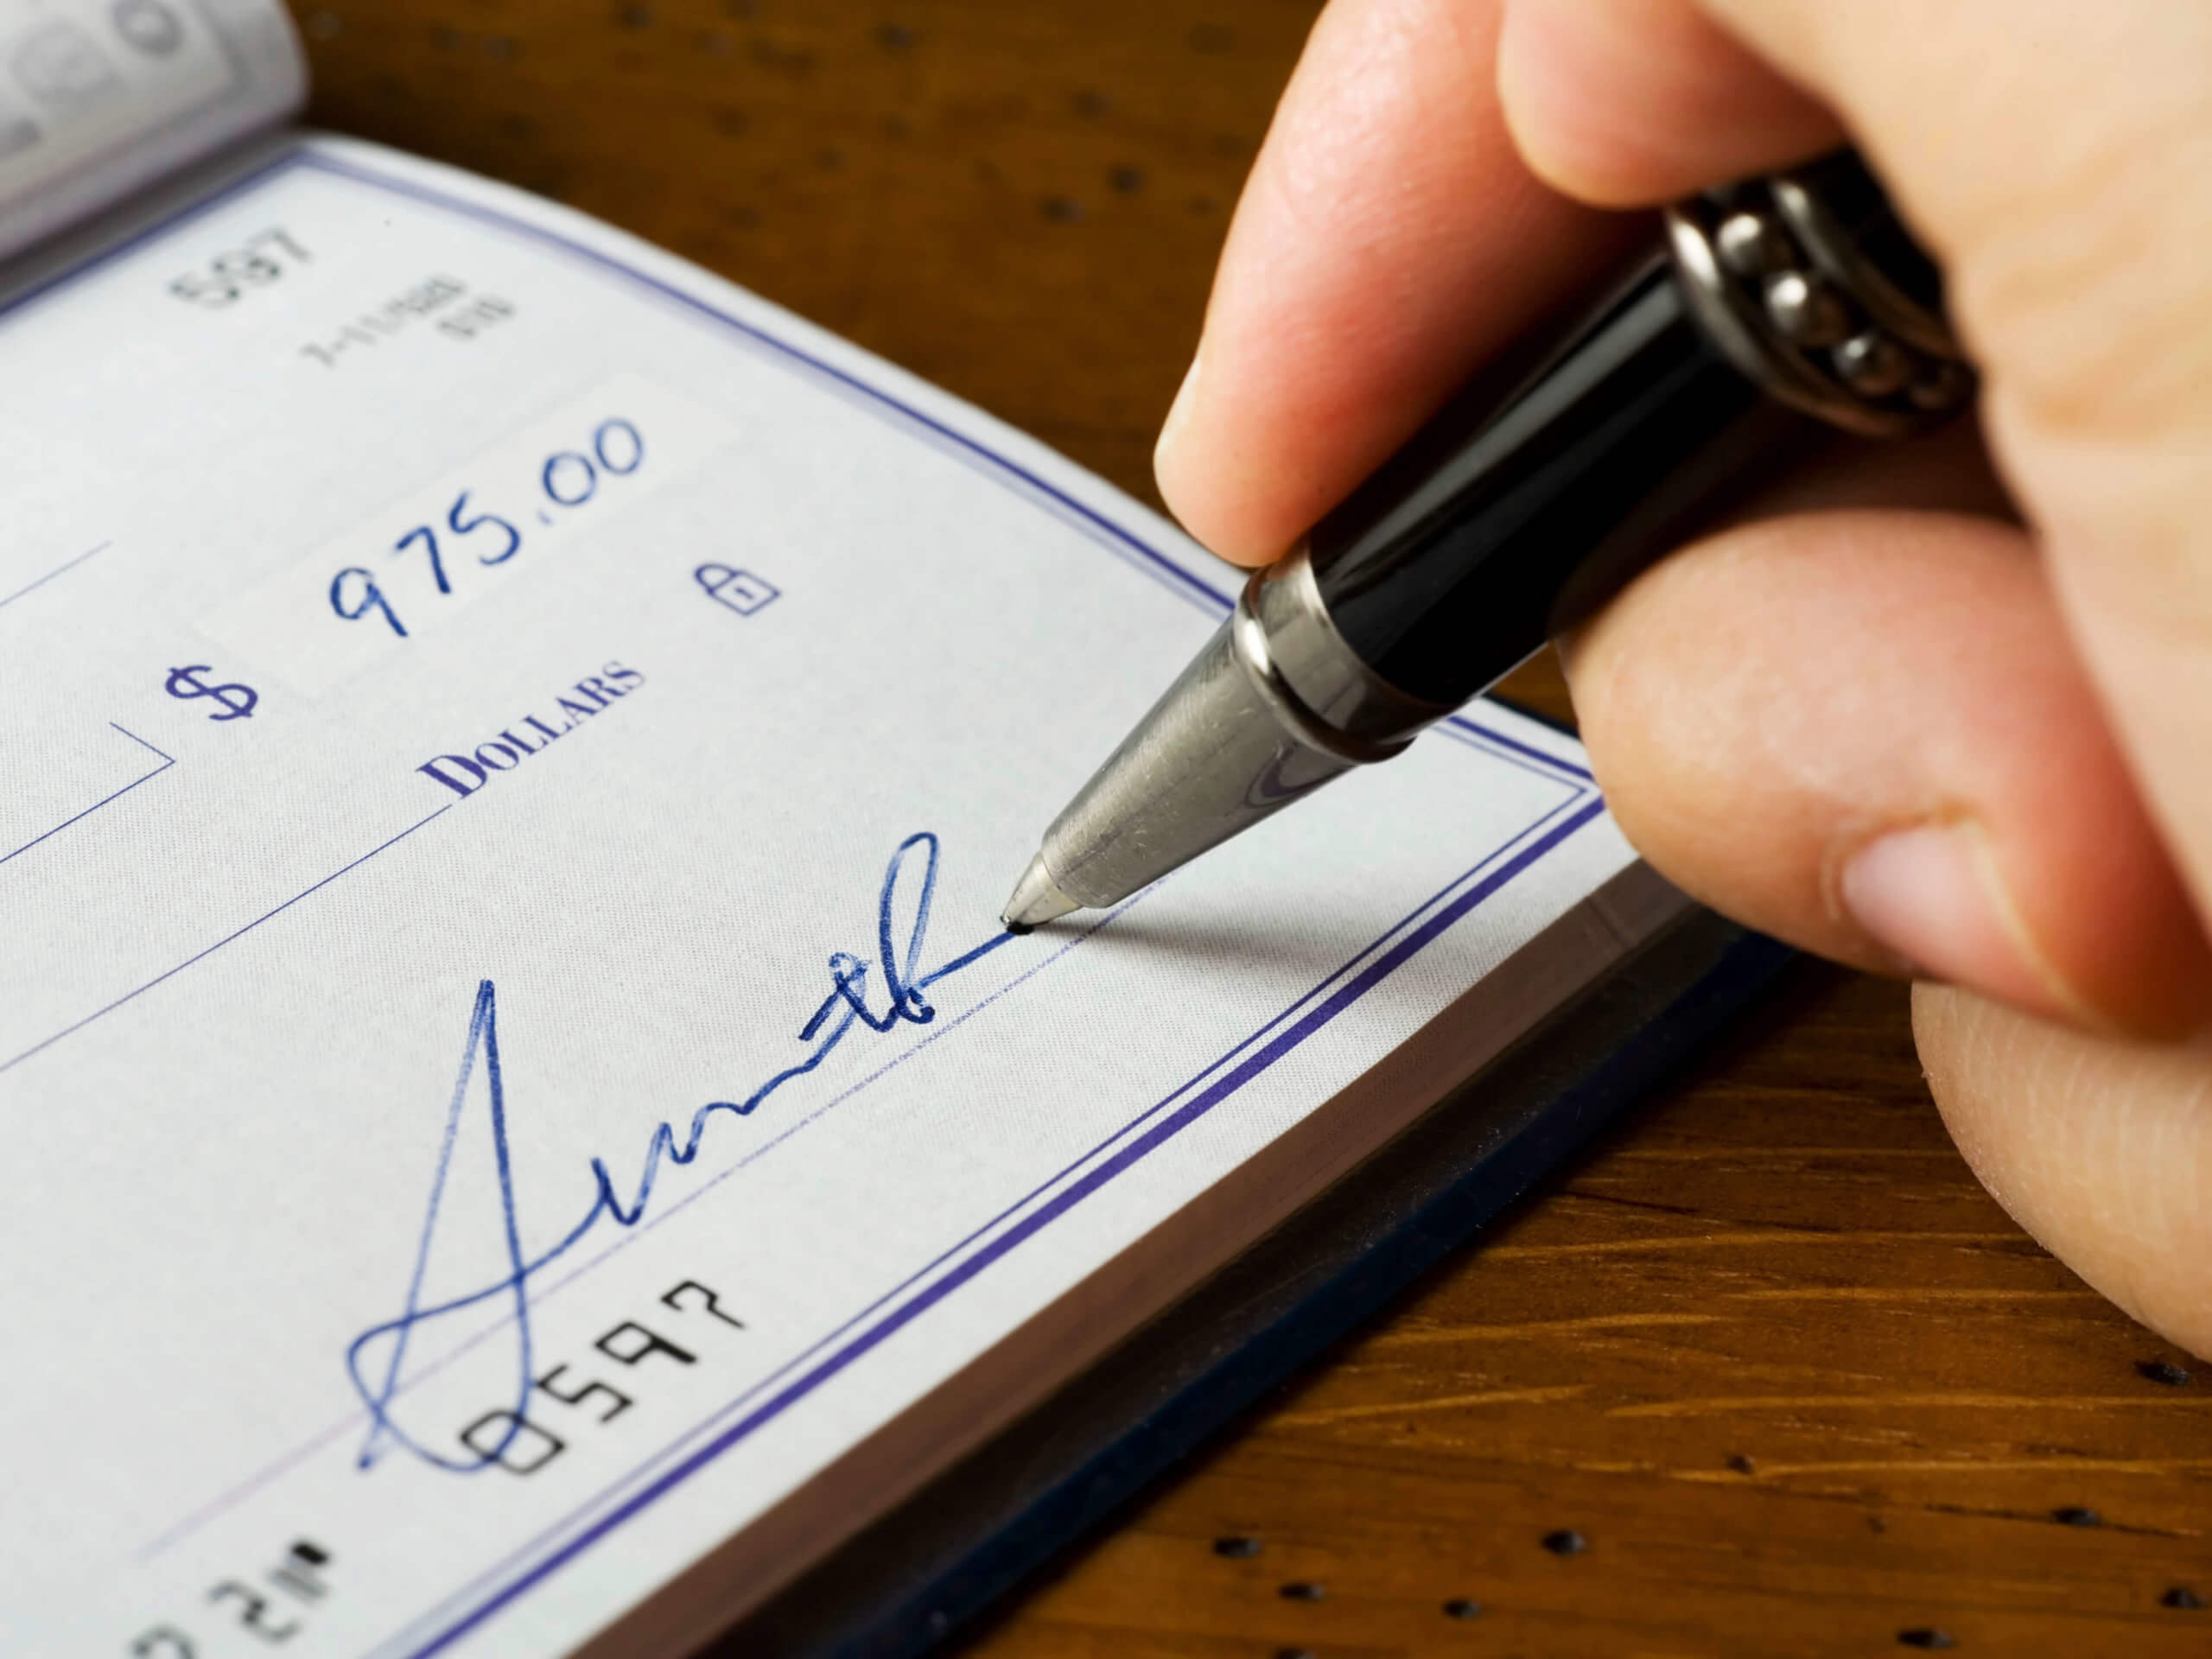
column 566, row 479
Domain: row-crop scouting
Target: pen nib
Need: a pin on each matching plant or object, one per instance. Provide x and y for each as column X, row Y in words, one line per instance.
column 1037, row 900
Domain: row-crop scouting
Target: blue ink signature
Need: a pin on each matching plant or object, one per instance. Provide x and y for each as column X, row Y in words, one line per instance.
column 376, row 1376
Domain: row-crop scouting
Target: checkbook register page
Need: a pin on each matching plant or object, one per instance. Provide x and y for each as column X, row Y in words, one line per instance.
column 510, row 1078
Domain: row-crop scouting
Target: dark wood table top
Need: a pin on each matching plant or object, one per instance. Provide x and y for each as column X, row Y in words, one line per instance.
column 1767, row 1372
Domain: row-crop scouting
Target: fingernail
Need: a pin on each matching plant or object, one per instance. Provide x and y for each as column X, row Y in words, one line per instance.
column 1178, row 413
column 1933, row 896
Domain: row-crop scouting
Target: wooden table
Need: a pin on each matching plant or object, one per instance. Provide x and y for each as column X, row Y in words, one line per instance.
column 1790, row 1379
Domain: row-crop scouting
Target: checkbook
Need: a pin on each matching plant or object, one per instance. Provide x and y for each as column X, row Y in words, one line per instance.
column 525, row 1134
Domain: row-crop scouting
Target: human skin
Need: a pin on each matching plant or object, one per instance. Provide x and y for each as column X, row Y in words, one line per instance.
column 1943, row 710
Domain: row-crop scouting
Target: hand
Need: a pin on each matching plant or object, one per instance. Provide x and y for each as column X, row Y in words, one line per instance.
column 1966, row 734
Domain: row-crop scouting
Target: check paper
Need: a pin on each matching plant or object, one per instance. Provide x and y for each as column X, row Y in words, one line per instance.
column 511, row 1069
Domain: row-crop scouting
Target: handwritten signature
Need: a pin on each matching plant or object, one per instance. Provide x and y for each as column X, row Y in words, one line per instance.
column 376, row 1358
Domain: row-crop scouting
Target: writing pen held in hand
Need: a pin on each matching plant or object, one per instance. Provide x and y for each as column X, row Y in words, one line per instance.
column 1771, row 312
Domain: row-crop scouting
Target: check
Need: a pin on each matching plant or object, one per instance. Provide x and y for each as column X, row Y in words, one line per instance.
column 511, row 1067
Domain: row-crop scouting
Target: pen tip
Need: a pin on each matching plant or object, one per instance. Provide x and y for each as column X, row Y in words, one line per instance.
column 1037, row 900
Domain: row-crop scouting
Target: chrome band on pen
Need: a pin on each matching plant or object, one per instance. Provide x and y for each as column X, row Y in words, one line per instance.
column 1318, row 686
column 1779, row 285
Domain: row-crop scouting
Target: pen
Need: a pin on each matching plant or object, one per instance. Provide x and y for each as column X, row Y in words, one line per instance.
column 1769, row 312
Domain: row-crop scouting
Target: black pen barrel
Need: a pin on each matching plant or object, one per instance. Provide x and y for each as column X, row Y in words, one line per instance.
column 1513, row 517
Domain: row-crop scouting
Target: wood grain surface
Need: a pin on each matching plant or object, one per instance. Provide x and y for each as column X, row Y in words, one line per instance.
column 1766, row 1374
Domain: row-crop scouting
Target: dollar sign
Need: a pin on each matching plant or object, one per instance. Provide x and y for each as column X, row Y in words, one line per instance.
column 237, row 700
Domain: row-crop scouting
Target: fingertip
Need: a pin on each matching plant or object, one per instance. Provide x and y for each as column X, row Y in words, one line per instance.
column 1165, row 451
column 2132, row 961
column 1867, row 733
column 1625, row 103
column 1543, row 68
column 1171, row 467
column 2097, row 1147
column 1388, row 242
column 1236, row 526
column 1934, row 894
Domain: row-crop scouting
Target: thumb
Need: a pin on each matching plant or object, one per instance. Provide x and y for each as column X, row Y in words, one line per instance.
column 2056, row 158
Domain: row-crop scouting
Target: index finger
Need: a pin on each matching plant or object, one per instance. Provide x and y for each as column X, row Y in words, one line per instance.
column 1388, row 240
